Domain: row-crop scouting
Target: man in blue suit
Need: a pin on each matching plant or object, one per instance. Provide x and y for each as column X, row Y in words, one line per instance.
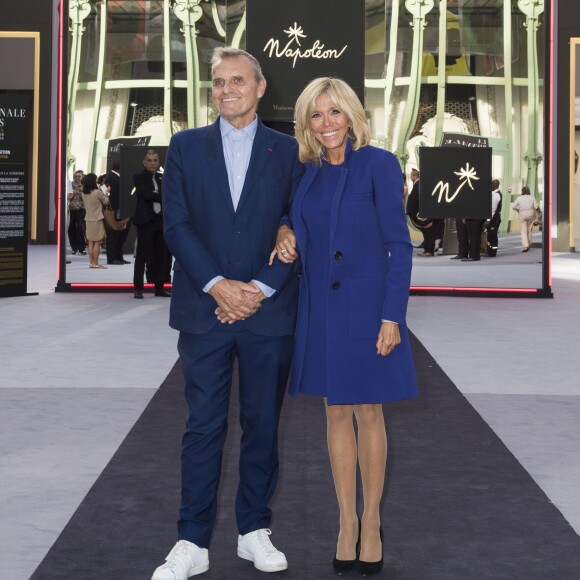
column 226, row 188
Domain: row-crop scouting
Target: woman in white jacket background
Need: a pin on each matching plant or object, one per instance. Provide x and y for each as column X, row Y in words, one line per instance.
column 526, row 206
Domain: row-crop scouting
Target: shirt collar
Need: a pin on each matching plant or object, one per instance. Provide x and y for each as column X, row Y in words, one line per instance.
column 250, row 130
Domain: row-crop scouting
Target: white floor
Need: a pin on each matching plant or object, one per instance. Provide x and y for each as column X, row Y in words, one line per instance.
column 78, row 369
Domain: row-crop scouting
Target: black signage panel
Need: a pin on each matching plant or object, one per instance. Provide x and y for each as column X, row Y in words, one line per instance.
column 296, row 42
column 455, row 182
column 15, row 124
column 115, row 145
column 138, row 144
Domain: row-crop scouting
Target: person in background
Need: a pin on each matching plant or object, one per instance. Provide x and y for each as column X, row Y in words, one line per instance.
column 431, row 228
column 107, row 191
column 462, row 239
column 427, row 226
column 148, row 218
column 525, row 205
column 438, row 232
column 352, row 343
column 492, row 225
column 94, row 200
column 468, row 239
column 76, row 210
column 115, row 239
column 101, row 184
column 474, row 231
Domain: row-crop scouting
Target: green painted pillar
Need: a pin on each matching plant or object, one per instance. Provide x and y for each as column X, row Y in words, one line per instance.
column 189, row 12
column 419, row 10
column 78, row 11
column 532, row 10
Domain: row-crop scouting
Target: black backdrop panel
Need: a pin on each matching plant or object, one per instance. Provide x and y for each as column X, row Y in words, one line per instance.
column 301, row 40
column 115, row 146
column 455, row 182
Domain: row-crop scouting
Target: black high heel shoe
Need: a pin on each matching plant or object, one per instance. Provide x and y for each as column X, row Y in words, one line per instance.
column 371, row 568
column 344, row 567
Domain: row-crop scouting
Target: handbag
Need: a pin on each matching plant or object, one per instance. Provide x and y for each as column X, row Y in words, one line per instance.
column 111, row 221
column 538, row 217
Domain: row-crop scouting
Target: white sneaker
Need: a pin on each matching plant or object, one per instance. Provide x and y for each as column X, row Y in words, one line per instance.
column 257, row 547
column 185, row 560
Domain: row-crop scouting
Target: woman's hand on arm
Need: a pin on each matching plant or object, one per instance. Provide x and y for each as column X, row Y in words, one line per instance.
column 285, row 247
column 389, row 338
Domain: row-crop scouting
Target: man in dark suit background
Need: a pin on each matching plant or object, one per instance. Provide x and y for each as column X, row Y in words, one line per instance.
column 115, row 239
column 148, row 218
column 468, row 239
column 227, row 186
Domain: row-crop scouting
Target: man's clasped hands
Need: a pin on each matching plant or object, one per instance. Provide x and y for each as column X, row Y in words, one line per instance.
column 236, row 300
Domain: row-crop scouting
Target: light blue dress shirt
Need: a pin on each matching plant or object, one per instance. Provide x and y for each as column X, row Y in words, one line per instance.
column 237, row 144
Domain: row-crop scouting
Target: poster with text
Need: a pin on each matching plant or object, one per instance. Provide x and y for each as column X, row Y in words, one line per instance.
column 455, row 182
column 296, row 42
column 15, row 123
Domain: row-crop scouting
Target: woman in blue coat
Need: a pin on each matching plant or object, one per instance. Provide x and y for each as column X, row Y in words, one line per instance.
column 352, row 343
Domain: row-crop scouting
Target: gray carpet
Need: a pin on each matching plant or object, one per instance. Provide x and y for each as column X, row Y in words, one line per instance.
column 457, row 504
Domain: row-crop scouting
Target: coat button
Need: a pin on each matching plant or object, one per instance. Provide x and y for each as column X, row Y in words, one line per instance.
column 337, row 255
column 335, row 285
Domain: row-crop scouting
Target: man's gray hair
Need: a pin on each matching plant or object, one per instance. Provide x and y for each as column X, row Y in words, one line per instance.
column 222, row 52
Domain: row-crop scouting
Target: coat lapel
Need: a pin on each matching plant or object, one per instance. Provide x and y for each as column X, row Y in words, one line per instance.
column 216, row 161
column 297, row 221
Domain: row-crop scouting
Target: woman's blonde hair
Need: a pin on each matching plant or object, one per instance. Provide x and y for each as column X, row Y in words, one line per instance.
column 310, row 150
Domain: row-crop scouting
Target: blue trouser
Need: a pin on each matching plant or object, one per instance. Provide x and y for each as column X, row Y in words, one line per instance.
column 264, row 364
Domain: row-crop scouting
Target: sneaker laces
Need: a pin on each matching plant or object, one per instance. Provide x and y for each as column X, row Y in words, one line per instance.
column 265, row 542
column 179, row 550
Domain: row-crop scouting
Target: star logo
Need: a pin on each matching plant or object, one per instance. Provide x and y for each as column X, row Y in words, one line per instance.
column 296, row 32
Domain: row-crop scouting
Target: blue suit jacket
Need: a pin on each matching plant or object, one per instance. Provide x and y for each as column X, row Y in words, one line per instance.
column 208, row 238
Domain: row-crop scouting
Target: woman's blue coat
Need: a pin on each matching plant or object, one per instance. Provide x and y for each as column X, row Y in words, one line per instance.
column 370, row 272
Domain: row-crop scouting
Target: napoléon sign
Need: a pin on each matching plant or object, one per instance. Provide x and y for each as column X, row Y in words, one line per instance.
column 301, row 40
column 294, row 50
